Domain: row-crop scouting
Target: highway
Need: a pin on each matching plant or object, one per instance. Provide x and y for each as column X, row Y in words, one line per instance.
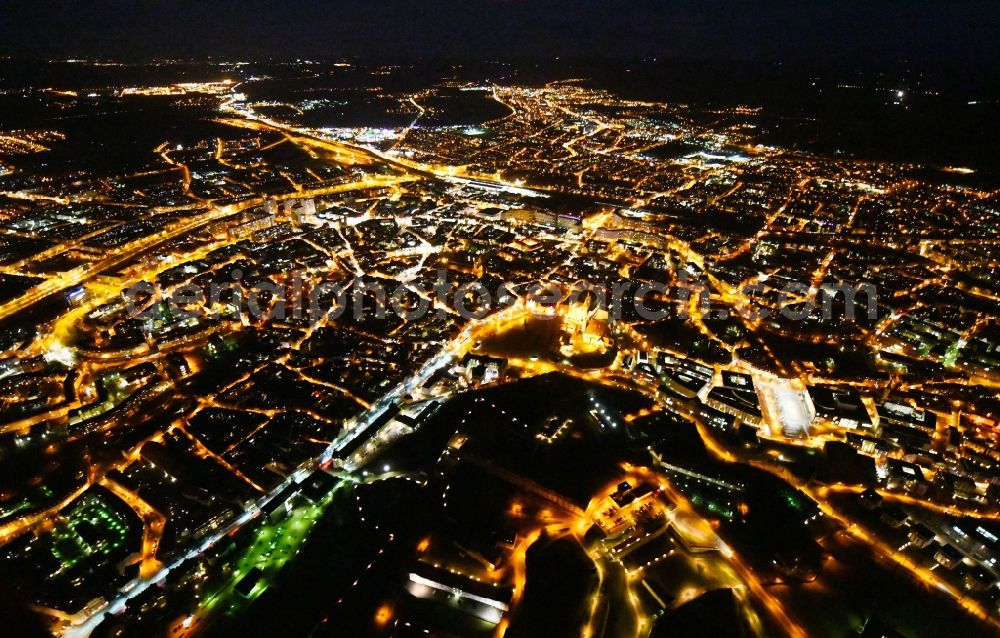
column 86, row 272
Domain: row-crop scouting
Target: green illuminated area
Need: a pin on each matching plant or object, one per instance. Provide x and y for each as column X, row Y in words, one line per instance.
column 274, row 544
column 38, row 497
column 92, row 529
column 713, row 506
column 74, row 561
column 116, row 387
column 711, row 499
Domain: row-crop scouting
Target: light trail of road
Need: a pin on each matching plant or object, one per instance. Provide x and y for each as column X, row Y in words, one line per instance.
column 84, row 624
column 420, row 113
column 772, row 604
column 202, row 617
column 359, row 424
column 881, row 549
column 925, row 576
column 86, row 272
column 16, row 527
column 153, row 523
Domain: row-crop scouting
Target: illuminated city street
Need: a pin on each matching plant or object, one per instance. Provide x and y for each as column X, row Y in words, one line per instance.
column 552, row 345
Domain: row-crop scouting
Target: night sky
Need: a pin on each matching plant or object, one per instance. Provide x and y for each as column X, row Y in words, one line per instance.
column 960, row 32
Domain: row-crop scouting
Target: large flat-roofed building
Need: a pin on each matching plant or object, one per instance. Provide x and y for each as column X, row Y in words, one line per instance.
column 486, row 601
column 791, row 408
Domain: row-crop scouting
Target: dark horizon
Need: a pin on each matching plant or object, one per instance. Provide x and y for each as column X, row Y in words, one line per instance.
column 884, row 33
column 500, row 319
